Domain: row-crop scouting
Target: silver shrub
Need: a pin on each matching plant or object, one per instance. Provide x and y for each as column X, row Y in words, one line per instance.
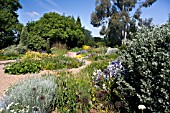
column 37, row 93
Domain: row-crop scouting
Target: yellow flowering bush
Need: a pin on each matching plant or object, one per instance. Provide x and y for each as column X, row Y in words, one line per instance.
column 36, row 55
column 85, row 47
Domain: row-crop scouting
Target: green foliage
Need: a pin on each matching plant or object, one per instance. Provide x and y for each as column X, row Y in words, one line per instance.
column 11, row 51
column 78, row 22
column 48, row 46
column 122, row 47
column 9, row 22
column 93, row 66
column 60, row 62
column 118, row 17
column 97, row 57
column 58, row 51
column 73, row 96
column 24, row 37
column 76, row 49
column 23, row 67
column 88, row 38
column 35, row 92
column 34, row 64
column 58, row 28
column 36, row 43
column 147, row 60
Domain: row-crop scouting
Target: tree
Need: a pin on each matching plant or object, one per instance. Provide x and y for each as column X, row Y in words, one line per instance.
column 78, row 22
column 36, row 43
column 9, row 21
column 58, row 28
column 115, row 14
column 169, row 19
column 24, row 38
column 88, row 38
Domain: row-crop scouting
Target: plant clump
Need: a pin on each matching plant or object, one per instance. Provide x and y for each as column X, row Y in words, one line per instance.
column 147, row 60
column 34, row 92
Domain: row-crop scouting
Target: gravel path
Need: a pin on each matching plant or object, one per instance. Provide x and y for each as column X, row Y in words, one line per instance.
column 7, row 80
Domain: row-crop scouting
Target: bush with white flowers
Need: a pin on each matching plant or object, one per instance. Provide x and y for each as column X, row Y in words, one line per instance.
column 147, row 60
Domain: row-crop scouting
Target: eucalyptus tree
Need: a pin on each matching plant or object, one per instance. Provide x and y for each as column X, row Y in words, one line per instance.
column 117, row 18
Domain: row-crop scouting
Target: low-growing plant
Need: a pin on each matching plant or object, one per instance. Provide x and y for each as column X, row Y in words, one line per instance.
column 97, row 57
column 103, row 82
column 76, row 49
column 15, row 108
column 37, row 93
column 73, row 96
column 10, row 52
column 58, row 51
column 33, row 62
column 23, row 67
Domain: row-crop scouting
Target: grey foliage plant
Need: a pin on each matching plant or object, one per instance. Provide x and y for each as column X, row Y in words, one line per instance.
column 147, row 59
column 37, row 93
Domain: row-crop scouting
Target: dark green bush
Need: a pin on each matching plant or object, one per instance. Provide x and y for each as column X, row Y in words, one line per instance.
column 147, row 60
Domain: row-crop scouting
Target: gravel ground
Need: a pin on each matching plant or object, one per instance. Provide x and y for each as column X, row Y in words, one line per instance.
column 7, row 80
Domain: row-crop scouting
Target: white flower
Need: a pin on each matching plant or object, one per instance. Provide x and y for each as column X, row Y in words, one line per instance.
column 104, row 86
column 142, row 107
column 94, row 73
column 10, row 105
column 1, row 109
column 12, row 111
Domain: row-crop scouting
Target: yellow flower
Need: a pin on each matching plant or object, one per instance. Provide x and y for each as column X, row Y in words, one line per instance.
column 85, row 47
column 79, row 56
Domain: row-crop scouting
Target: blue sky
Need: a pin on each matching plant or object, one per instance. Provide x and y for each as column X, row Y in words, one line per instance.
column 34, row 9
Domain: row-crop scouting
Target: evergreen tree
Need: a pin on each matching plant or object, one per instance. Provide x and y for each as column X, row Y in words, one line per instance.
column 24, row 38
column 78, row 22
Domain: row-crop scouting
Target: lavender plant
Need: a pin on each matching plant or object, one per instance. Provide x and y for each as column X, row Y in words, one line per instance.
column 104, row 81
column 113, row 69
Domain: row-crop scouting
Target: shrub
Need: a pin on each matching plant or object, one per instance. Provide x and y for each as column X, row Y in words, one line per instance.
column 103, row 82
column 97, row 57
column 21, row 49
column 73, row 97
column 10, row 51
column 36, row 43
column 33, row 62
column 23, row 67
column 32, row 55
column 147, row 59
column 58, row 51
column 37, row 93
